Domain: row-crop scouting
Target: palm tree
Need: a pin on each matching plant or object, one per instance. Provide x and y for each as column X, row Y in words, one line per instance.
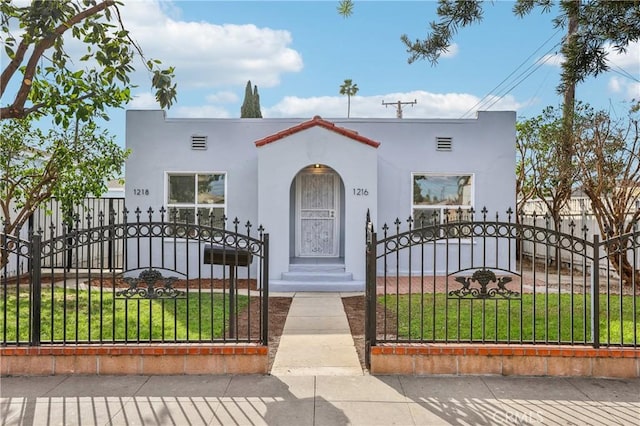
column 349, row 89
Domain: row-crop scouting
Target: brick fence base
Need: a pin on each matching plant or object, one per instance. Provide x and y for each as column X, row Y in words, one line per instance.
column 138, row 359
column 505, row 360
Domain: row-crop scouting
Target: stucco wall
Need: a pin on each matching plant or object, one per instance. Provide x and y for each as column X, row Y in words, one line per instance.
column 259, row 178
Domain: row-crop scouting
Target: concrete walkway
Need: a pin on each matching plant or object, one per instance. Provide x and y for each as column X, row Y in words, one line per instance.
column 316, row 340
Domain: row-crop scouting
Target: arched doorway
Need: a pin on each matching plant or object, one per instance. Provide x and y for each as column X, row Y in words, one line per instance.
column 317, row 214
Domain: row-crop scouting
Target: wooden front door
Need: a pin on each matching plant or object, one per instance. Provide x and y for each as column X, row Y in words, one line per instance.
column 317, row 213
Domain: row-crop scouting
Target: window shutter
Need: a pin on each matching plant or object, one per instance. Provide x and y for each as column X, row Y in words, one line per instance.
column 199, row 143
column 444, row 144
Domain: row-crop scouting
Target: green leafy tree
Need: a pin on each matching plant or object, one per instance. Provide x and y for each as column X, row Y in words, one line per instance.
column 538, row 169
column 251, row 104
column 350, row 89
column 605, row 166
column 525, row 187
column 608, row 163
column 37, row 165
column 539, row 164
column 40, row 77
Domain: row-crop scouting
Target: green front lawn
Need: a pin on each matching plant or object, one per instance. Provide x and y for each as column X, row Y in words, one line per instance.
column 544, row 318
column 83, row 316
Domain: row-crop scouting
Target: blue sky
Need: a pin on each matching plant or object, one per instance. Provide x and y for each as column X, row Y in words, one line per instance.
column 298, row 53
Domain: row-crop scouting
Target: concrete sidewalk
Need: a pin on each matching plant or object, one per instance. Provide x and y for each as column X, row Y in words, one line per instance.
column 316, row 339
column 316, row 400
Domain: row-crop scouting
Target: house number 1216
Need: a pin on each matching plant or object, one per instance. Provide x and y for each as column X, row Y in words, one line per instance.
column 360, row 192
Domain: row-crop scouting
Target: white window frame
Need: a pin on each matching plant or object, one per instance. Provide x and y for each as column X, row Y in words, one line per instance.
column 195, row 205
column 440, row 207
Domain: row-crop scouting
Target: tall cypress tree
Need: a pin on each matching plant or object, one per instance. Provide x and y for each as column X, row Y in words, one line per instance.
column 251, row 105
column 256, row 103
column 247, row 104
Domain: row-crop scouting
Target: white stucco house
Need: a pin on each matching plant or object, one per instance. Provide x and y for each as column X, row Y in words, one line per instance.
column 310, row 182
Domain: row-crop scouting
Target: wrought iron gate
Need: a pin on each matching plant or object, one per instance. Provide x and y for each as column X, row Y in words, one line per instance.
column 463, row 279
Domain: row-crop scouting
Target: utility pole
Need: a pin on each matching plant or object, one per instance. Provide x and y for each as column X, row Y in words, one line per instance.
column 399, row 106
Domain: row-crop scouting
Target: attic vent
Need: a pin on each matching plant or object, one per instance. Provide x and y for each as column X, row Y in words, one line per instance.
column 444, row 144
column 199, row 142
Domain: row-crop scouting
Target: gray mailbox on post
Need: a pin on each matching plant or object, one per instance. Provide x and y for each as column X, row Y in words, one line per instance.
column 232, row 257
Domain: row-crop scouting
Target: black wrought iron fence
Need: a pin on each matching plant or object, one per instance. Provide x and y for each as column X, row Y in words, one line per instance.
column 466, row 279
column 178, row 282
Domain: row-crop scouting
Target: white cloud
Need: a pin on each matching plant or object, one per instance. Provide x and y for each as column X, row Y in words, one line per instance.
column 625, row 65
column 615, row 85
column 148, row 101
column 144, row 100
column 429, row 105
column 210, row 55
column 205, row 111
column 627, row 87
column 633, row 91
column 451, row 52
column 630, row 60
column 223, row 97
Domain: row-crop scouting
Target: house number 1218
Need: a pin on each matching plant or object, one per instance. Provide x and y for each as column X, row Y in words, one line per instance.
column 360, row 192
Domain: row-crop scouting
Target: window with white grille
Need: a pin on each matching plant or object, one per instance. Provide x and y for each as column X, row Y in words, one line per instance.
column 441, row 198
column 197, row 197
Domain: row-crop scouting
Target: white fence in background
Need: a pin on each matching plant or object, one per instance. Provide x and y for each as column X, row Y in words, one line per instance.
column 577, row 219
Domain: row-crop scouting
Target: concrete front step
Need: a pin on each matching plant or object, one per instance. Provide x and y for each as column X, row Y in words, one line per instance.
column 317, row 276
column 329, row 268
column 319, row 286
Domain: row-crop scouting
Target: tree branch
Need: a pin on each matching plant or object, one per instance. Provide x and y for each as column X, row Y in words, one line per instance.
column 16, row 109
column 4, row 112
column 13, row 65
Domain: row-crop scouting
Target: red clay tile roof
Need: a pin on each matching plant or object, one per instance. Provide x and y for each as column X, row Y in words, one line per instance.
column 317, row 121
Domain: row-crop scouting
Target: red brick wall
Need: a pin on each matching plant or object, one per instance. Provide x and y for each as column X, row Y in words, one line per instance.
column 139, row 359
column 505, row 360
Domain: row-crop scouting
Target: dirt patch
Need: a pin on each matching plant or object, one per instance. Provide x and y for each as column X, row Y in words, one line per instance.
column 278, row 310
column 354, row 307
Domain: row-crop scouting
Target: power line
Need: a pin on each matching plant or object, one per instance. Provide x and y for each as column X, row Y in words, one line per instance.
column 535, row 95
column 487, row 96
column 624, row 73
column 517, row 83
column 493, row 98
